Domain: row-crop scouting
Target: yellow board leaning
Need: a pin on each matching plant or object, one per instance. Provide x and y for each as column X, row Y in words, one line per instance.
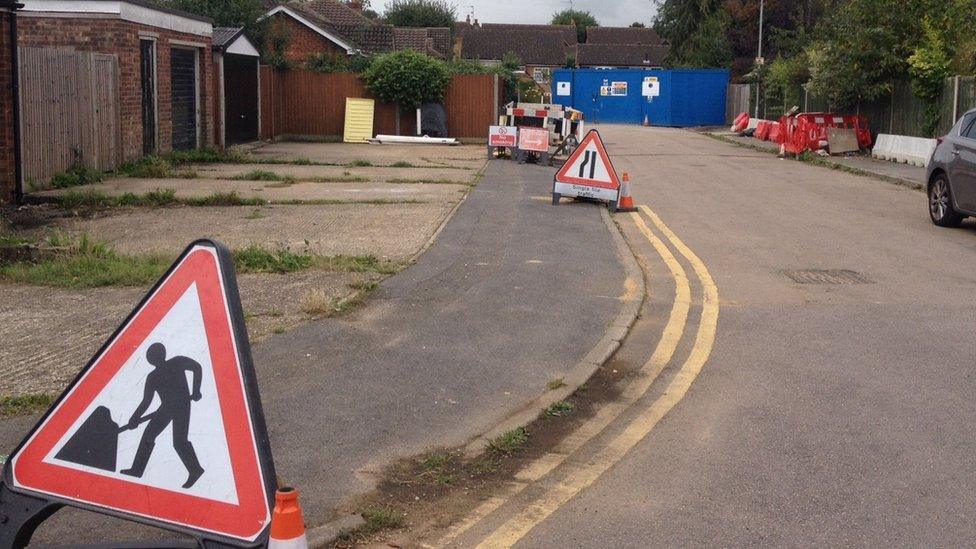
column 359, row 120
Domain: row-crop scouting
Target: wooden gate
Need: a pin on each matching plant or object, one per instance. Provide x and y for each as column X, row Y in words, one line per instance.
column 69, row 111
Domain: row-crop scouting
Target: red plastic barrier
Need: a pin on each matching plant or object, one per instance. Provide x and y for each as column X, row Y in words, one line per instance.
column 762, row 131
column 774, row 131
column 808, row 131
column 740, row 123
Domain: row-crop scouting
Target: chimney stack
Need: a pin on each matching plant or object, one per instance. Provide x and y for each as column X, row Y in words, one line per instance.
column 468, row 19
column 355, row 4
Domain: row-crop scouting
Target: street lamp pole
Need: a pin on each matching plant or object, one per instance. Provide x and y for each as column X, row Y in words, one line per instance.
column 759, row 56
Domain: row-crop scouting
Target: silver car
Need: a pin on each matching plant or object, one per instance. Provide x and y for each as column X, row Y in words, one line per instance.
column 952, row 174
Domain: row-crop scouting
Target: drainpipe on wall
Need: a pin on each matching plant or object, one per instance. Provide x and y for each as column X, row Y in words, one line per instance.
column 15, row 89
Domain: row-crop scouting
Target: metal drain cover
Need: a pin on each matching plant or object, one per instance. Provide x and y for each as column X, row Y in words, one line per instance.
column 827, row 276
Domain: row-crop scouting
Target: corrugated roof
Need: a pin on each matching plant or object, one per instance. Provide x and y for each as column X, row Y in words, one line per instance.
column 623, row 35
column 222, row 36
column 621, row 55
column 545, row 46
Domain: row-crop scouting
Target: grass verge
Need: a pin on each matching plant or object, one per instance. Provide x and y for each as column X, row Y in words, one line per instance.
column 810, row 158
column 84, row 263
column 24, row 404
column 427, row 181
column 156, row 198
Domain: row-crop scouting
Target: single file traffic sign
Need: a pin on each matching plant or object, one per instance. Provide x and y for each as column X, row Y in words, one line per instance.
column 588, row 173
column 164, row 425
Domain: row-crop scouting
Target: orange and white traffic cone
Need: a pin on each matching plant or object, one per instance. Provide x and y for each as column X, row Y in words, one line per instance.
column 626, row 200
column 647, row 120
column 287, row 524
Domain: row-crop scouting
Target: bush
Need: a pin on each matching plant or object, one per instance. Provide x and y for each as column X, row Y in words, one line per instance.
column 152, row 167
column 407, row 78
column 75, row 176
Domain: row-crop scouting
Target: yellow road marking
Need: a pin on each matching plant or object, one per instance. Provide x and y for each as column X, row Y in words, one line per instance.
column 671, row 336
column 575, row 481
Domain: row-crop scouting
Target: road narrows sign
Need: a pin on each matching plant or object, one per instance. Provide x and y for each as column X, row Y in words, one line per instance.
column 588, row 173
column 164, row 425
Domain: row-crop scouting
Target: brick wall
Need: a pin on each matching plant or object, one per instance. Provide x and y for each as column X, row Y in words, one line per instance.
column 7, row 173
column 114, row 36
column 302, row 41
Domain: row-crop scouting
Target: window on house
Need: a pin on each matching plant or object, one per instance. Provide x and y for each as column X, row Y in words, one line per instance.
column 541, row 74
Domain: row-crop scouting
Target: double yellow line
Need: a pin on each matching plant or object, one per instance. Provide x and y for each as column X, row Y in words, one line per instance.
column 585, row 473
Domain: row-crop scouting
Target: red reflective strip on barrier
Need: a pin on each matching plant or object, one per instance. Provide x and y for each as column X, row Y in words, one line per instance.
column 542, row 114
column 518, row 112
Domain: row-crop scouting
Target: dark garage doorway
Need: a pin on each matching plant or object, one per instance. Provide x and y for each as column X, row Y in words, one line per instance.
column 183, row 89
column 240, row 98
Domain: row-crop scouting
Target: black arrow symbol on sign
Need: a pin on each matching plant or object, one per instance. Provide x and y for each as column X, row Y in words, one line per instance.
column 587, row 159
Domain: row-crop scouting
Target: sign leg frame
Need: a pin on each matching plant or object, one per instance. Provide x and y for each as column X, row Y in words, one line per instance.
column 20, row 515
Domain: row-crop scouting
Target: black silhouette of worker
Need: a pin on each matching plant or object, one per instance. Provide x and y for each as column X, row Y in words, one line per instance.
column 168, row 380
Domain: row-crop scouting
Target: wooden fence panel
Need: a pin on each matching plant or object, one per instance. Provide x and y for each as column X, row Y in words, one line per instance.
column 69, row 111
column 298, row 102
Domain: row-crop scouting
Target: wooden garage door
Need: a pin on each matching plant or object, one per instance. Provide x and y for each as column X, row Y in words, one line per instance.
column 69, row 111
column 183, row 95
column 241, row 98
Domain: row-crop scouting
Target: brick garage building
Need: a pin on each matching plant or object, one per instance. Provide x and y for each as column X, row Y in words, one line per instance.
column 160, row 97
column 8, row 148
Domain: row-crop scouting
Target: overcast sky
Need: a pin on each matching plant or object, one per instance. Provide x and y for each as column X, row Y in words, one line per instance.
column 611, row 13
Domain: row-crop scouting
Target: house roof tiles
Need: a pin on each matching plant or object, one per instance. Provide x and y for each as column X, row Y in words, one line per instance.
column 623, row 35
column 533, row 46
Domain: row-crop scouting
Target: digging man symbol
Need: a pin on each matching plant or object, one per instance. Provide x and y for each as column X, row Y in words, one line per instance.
column 168, row 381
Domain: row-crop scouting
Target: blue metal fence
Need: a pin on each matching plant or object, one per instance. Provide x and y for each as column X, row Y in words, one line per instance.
column 673, row 97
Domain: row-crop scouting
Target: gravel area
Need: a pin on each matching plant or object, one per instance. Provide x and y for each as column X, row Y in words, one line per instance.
column 48, row 334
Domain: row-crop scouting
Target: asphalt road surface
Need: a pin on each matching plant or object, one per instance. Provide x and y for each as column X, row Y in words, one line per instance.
column 510, row 296
column 817, row 414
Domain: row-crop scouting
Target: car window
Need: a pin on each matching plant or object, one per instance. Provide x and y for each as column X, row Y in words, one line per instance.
column 966, row 125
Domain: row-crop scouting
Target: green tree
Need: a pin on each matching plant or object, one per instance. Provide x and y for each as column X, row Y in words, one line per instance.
column 709, row 45
column 637, row 25
column 420, row 13
column 230, row 13
column 581, row 19
column 225, row 13
column 407, row 78
column 863, row 46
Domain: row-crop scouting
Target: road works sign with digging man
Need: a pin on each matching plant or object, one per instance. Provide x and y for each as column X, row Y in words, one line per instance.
column 164, row 425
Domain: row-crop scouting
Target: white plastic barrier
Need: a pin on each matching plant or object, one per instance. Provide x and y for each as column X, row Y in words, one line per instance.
column 882, row 146
column 754, row 123
column 901, row 148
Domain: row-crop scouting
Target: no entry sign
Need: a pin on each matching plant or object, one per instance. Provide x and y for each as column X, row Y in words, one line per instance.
column 164, row 425
column 502, row 136
column 588, row 173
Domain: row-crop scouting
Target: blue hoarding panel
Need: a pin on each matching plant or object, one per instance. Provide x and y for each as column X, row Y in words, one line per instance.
column 679, row 97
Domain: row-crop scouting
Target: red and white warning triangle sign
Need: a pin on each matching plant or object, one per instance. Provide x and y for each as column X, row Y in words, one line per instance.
column 164, row 425
column 588, row 172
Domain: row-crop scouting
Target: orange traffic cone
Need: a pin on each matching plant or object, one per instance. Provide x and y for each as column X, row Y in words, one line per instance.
column 287, row 525
column 626, row 201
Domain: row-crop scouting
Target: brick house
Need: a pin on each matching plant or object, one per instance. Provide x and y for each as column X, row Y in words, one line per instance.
column 623, row 47
column 9, row 188
column 155, row 88
column 315, row 27
column 540, row 48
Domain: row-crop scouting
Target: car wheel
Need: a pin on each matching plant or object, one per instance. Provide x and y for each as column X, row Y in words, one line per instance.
column 940, row 203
